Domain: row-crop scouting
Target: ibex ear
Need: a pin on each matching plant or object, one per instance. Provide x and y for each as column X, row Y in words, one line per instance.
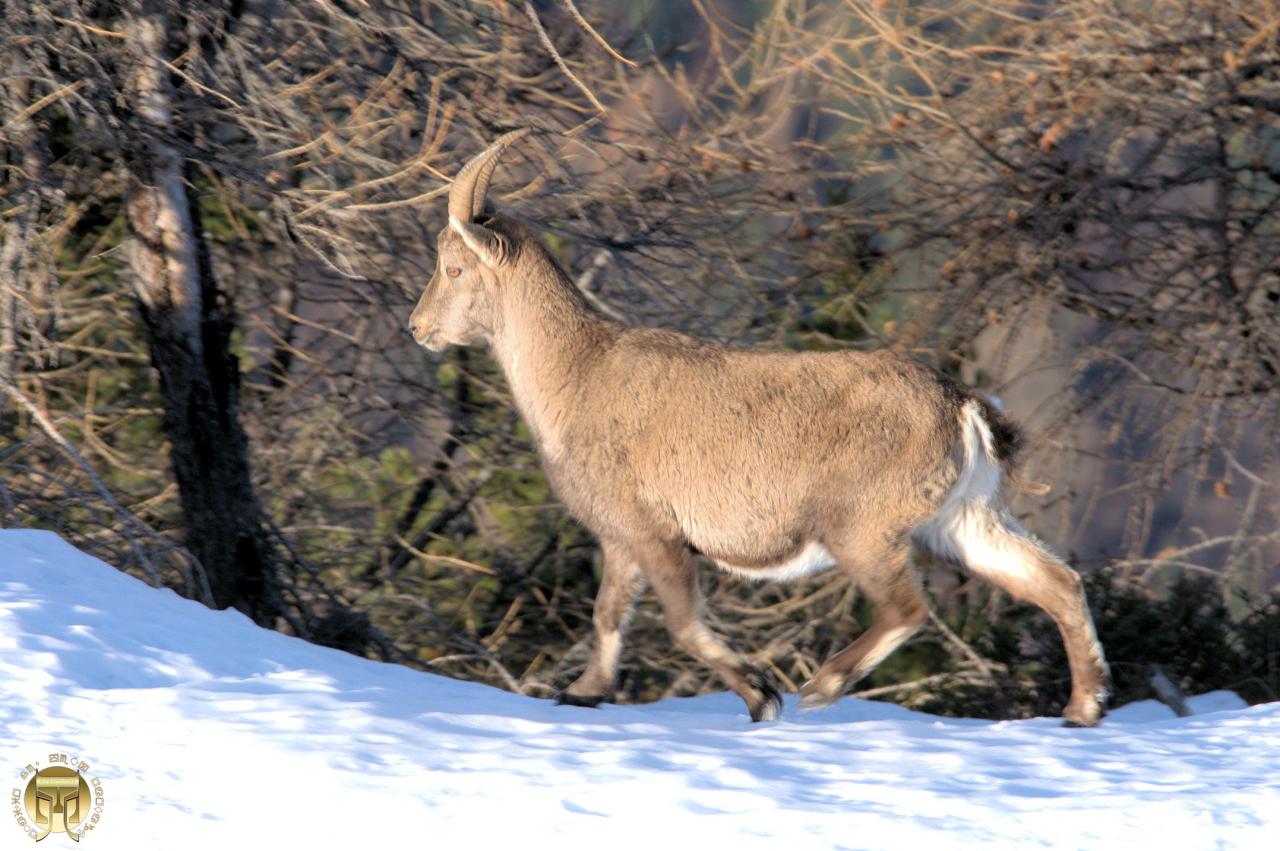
column 491, row 247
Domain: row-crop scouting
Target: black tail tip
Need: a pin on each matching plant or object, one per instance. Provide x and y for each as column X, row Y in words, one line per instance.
column 1005, row 433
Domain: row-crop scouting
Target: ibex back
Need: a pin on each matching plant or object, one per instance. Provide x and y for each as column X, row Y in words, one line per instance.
column 772, row 465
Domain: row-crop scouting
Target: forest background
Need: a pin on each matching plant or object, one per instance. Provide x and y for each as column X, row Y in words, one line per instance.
column 215, row 219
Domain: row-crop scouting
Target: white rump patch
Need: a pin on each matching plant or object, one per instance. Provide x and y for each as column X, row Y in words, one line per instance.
column 812, row 558
column 972, row 527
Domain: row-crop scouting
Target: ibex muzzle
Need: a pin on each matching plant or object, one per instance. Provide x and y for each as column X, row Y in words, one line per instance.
column 770, row 464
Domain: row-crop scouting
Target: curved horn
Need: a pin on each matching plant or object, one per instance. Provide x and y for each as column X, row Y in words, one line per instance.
column 466, row 198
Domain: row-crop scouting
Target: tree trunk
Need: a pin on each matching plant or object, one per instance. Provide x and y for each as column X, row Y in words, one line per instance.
column 188, row 330
column 23, row 166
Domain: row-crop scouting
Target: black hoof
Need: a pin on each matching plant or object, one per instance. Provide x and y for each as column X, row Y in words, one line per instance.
column 769, row 708
column 589, row 700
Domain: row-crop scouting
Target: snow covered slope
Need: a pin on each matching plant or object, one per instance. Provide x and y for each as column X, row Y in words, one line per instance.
column 209, row 733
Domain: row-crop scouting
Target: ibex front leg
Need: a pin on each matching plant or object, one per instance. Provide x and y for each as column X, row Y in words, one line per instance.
column 672, row 574
column 619, row 587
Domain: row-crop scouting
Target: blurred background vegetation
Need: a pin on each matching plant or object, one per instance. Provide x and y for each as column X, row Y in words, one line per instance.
column 216, row 218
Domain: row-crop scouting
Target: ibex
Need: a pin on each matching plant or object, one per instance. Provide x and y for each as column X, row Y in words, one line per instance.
column 770, row 464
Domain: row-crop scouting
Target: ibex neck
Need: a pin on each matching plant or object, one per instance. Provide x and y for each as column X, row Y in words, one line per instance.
column 548, row 335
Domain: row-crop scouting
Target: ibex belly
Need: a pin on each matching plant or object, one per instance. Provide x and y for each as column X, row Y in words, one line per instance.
column 812, row 557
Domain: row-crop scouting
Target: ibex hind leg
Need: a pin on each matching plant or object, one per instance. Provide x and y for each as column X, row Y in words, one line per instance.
column 989, row 541
column 887, row 577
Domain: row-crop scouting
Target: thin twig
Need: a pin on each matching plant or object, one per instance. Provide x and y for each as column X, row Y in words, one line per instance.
column 555, row 54
column 582, row 22
column 86, row 27
column 70, row 88
column 584, row 281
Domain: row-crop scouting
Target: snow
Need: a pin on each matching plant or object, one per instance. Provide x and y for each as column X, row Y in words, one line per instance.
column 207, row 731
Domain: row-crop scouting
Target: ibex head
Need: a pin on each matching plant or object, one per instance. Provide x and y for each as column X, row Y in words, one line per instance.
column 458, row 306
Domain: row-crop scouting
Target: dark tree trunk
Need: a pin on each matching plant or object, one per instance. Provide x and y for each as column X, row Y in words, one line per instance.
column 23, row 160
column 189, row 327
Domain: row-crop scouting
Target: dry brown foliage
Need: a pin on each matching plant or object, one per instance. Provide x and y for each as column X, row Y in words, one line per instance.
column 1073, row 206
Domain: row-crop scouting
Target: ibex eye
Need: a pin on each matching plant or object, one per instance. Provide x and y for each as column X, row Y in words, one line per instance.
column 453, row 271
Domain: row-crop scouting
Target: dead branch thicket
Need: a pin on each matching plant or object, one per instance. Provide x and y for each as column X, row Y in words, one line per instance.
column 1084, row 222
column 1072, row 207
column 1099, row 200
column 405, row 510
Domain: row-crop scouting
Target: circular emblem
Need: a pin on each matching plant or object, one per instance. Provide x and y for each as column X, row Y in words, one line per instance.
column 58, row 799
